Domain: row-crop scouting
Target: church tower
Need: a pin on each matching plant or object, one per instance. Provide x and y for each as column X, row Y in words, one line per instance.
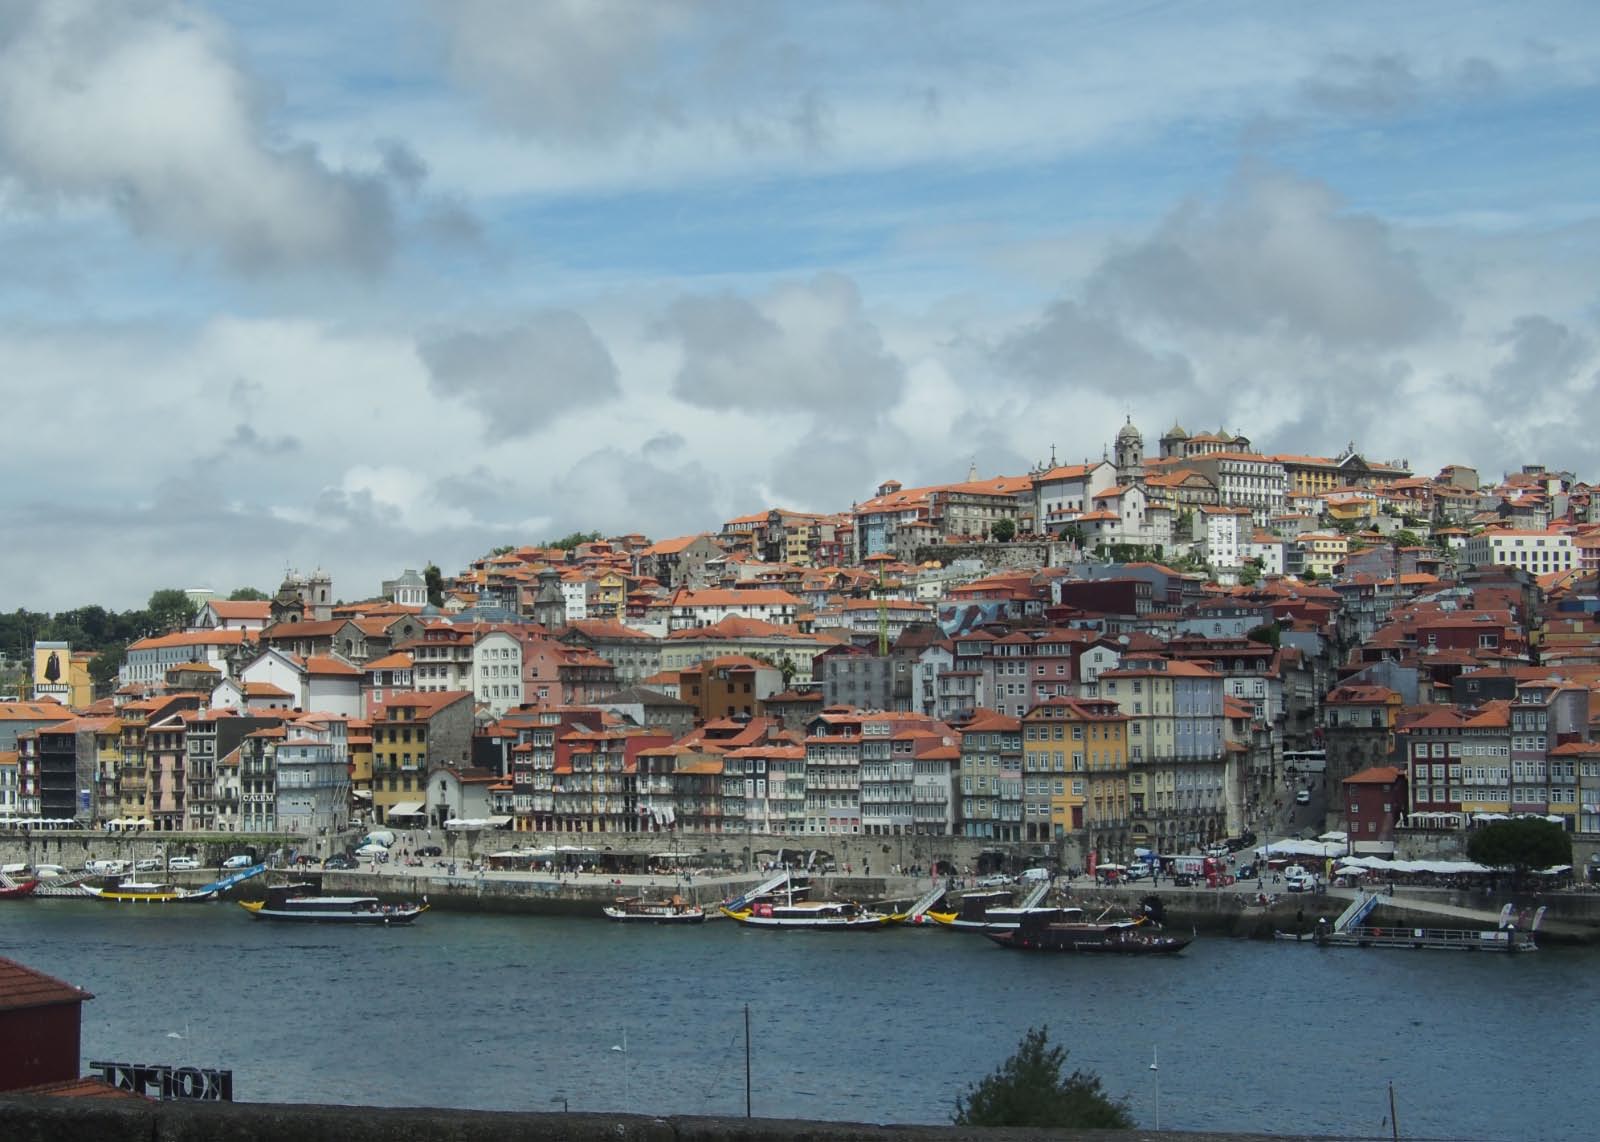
column 549, row 604
column 1130, row 455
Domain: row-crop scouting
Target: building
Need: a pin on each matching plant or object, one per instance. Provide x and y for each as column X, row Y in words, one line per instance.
column 1375, row 801
column 1536, row 552
column 40, row 1022
column 411, row 736
column 990, row 775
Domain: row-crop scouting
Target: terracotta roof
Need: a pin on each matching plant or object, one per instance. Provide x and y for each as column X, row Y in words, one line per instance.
column 1376, row 775
column 23, row 987
column 191, row 638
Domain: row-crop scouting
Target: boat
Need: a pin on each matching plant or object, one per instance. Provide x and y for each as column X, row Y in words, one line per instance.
column 16, row 889
column 780, row 903
column 300, row 902
column 149, row 892
column 996, row 911
column 636, row 909
column 1127, row 937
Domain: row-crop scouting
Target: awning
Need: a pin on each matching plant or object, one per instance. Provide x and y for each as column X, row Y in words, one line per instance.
column 406, row 809
column 499, row 822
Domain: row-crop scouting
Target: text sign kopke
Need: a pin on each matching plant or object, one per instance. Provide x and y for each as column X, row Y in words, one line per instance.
column 157, row 1080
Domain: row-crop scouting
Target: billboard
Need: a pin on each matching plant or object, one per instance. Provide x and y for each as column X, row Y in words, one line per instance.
column 52, row 671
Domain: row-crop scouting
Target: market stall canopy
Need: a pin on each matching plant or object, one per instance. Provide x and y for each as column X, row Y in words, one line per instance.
column 407, row 809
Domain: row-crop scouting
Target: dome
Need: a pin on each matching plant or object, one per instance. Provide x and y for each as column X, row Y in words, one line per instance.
column 1176, row 432
column 1129, row 432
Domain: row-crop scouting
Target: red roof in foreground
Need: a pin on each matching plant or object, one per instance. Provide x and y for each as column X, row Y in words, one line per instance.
column 86, row 1087
column 22, row 987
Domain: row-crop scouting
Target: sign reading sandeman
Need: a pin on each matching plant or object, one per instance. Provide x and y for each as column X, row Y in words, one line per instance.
column 157, row 1080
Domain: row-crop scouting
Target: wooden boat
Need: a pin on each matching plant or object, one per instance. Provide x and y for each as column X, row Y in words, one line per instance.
column 150, row 892
column 779, row 904
column 17, row 889
column 996, row 912
column 1140, row 935
column 300, row 903
column 636, row 909
column 1122, row 938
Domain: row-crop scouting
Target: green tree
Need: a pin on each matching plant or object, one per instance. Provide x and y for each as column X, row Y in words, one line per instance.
column 103, row 667
column 248, row 595
column 1028, row 1090
column 434, row 578
column 1004, row 530
column 577, row 538
column 1521, row 845
column 1269, row 633
column 503, row 549
column 1073, row 534
column 169, row 610
column 1405, row 538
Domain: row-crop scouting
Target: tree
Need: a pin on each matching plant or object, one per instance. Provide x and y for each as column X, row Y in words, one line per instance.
column 103, row 667
column 1073, row 534
column 1004, row 530
column 1521, row 844
column 576, row 539
column 1405, row 538
column 1028, row 1090
column 434, row 578
column 169, row 610
column 248, row 595
column 1269, row 633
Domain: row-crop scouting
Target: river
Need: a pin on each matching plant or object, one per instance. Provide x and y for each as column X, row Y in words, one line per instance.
column 506, row 1012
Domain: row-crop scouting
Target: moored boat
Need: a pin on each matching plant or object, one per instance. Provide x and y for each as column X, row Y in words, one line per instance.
column 996, row 912
column 778, row 904
column 300, row 902
column 637, row 909
column 1139, row 935
column 149, row 892
column 17, row 889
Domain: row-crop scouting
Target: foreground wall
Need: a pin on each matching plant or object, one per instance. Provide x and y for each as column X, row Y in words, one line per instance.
column 100, row 1120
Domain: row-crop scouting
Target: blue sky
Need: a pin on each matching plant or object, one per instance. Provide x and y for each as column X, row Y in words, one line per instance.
column 364, row 286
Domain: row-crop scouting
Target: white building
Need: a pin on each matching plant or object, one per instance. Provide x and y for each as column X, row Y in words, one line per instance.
column 692, row 609
column 1063, row 493
column 149, row 659
column 1536, row 552
column 1227, row 531
column 497, row 671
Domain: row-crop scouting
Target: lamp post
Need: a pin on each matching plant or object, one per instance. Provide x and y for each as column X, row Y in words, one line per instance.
column 562, row 1099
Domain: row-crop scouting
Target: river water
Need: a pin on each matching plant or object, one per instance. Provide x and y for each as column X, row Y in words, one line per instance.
column 506, row 1012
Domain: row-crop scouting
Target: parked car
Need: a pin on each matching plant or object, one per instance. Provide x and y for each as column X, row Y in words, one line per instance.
column 1136, row 871
column 343, row 861
column 1035, row 875
column 182, row 864
column 1303, row 797
column 106, row 867
column 1302, row 884
column 1246, row 871
column 1183, row 880
column 373, row 852
column 430, row 851
column 239, row 860
column 147, row 864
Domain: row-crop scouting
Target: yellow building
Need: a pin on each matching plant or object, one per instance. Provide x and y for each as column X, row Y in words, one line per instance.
column 610, row 596
column 1322, row 551
column 1074, row 767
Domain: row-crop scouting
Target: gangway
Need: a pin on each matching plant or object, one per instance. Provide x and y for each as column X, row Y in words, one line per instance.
column 1360, row 908
column 1035, row 895
column 928, row 899
column 232, row 879
column 766, row 886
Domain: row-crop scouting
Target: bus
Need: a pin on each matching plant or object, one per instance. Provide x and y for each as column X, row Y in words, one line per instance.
column 1305, row 760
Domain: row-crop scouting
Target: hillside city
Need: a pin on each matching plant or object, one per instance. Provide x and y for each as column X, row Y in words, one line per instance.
column 1143, row 651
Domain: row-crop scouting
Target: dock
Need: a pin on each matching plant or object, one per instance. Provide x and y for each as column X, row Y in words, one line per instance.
column 1356, row 927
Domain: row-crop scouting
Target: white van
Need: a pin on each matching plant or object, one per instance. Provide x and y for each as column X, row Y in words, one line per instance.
column 106, row 867
column 1035, row 875
column 182, row 864
column 239, row 860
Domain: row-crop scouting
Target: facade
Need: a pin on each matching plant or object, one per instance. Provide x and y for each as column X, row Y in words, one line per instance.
column 412, row 735
column 991, row 800
column 1375, row 801
column 1536, row 552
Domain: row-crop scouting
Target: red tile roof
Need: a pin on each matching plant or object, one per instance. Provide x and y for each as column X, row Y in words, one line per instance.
column 23, row 987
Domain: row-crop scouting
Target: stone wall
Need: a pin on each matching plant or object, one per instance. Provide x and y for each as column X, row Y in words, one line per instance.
column 1022, row 554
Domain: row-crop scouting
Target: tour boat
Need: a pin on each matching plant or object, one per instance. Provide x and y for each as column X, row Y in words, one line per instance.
column 995, row 912
column 299, row 902
column 767, row 908
column 637, row 909
column 150, row 892
column 1130, row 937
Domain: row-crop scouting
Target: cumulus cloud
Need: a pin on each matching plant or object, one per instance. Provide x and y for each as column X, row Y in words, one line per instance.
column 802, row 347
column 1541, row 357
column 1068, row 349
column 522, row 378
column 1274, row 253
column 143, row 108
column 618, row 489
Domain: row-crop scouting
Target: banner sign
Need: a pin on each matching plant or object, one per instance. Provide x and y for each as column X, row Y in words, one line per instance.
column 157, row 1080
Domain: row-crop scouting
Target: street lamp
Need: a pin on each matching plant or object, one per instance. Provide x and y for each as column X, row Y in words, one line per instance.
column 562, row 1099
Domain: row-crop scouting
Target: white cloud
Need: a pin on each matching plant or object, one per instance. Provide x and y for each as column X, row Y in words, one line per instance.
column 143, row 109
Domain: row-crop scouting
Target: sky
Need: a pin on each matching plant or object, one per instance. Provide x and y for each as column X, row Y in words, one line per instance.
column 366, row 286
